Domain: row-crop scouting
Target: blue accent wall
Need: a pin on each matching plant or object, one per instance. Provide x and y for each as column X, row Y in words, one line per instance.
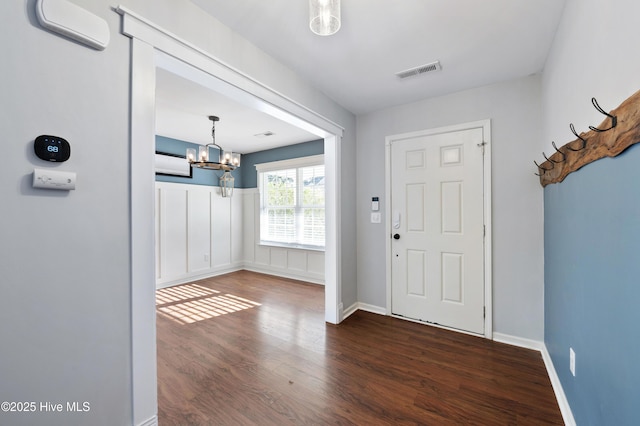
column 245, row 175
column 200, row 176
column 592, row 288
column 249, row 161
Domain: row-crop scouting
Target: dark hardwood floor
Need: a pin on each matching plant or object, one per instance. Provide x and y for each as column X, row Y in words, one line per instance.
column 251, row 349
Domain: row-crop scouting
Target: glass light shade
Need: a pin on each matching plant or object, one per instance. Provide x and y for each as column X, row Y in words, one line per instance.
column 235, row 159
column 226, row 157
column 191, row 155
column 203, row 153
column 226, row 184
column 324, row 16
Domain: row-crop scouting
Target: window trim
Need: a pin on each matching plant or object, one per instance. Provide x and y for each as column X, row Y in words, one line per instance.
column 292, row 163
column 312, row 160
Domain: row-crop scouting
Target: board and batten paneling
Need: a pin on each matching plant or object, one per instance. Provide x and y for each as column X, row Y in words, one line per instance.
column 201, row 234
column 199, row 227
column 172, row 239
column 221, row 231
column 300, row 264
column 237, row 228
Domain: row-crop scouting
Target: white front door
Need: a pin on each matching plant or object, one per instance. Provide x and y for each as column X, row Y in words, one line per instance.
column 437, row 228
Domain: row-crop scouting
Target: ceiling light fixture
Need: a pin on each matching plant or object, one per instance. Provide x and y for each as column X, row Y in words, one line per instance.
column 324, row 16
column 227, row 160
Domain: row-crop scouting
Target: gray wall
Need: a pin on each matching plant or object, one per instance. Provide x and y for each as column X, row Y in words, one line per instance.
column 64, row 257
column 591, row 218
column 514, row 110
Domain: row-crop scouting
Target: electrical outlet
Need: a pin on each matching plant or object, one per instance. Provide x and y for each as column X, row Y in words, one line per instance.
column 572, row 361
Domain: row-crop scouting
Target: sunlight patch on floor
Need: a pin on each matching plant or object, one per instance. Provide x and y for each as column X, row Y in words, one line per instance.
column 191, row 303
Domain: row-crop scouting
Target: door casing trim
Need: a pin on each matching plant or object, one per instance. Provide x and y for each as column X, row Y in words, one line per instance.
column 154, row 47
column 485, row 125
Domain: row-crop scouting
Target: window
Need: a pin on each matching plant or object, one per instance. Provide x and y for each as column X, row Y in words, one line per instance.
column 292, row 202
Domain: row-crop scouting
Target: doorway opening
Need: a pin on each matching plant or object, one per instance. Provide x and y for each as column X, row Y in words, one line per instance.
column 149, row 45
column 438, row 254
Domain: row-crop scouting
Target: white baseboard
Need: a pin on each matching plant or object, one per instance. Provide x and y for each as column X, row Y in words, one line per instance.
column 536, row 345
column 350, row 310
column 372, row 308
column 565, row 409
column 363, row 307
column 188, row 278
column 264, row 269
column 153, row 421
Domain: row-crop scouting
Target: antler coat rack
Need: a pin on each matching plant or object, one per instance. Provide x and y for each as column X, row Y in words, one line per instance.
column 619, row 130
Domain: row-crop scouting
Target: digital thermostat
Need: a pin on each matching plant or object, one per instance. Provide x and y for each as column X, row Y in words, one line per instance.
column 52, row 148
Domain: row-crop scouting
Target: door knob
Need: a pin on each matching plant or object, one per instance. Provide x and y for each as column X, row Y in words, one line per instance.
column 396, row 236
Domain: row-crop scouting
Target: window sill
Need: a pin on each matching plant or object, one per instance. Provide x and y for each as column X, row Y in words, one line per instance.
column 291, row 246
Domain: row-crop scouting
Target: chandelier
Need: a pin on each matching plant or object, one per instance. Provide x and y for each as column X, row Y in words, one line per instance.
column 227, row 160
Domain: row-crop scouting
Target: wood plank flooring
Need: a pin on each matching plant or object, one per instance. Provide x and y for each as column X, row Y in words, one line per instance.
column 252, row 349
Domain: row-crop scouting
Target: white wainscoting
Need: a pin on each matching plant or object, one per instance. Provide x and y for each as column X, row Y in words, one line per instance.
column 306, row 265
column 200, row 234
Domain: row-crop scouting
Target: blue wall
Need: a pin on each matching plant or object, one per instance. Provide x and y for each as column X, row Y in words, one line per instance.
column 592, row 288
column 200, row 176
column 249, row 174
column 245, row 175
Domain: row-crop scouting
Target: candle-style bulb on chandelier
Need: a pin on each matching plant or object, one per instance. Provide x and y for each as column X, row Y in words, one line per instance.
column 227, row 160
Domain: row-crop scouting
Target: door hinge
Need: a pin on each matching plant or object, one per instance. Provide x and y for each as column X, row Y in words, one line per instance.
column 481, row 145
column 484, row 230
column 484, row 312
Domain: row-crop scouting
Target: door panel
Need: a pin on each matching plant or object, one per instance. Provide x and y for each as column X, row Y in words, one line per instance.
column 415, row 207
column 416, row 273
column 451, row 204
column 452, row 284
column 437, row 269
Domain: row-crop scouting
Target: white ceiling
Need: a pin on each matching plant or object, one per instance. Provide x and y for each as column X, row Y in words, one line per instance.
column 477, row 43
column 183, row 108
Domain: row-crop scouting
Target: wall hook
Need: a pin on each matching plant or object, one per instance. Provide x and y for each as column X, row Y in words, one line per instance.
column 549, row 159
column 592, row 145
column 584, row 141
column 564, row 156
column 614, row 119
column 542, row 168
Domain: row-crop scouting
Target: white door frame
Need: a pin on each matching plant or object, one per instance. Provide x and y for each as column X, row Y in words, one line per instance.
column 153, row 47
column 485, row 125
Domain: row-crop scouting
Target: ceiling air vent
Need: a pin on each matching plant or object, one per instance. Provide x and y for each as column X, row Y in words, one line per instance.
column 433, row 66
column 265, row 134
